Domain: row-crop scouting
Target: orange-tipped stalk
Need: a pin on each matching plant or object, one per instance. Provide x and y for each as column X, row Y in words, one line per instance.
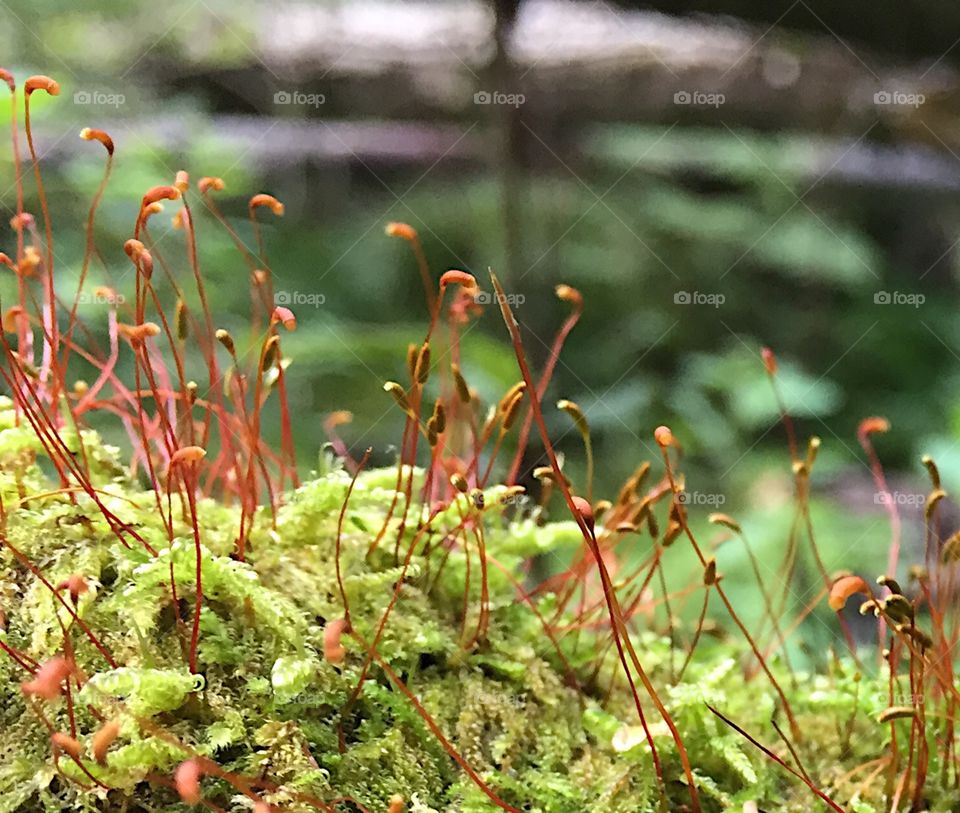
column 664, row 438
column 770, row 364
column 343, row 514
column 565, row 293
column 408, row 233
column 619, row 629
column 184, row 462
column 770, row 754
column 435, row 730
column 51, row 328
column 867, row 428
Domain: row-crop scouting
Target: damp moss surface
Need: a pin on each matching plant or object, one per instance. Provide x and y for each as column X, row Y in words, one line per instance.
column 267, row 703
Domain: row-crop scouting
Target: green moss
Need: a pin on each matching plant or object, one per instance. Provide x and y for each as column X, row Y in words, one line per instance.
column 267, row 703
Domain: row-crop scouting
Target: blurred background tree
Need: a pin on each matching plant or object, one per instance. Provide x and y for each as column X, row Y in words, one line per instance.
column 713, row 176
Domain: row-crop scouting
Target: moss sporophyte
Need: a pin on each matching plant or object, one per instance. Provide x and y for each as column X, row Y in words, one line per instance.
column 187, row 623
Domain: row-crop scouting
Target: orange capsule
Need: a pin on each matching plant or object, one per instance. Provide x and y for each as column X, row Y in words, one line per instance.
column 663, row 436
column 89, row 134
column 12, row 317
column 769, row 360
column 186, row 779
column 285, row 317
column 7, row 77
column 874, row 424
column 75, row 584
column 134, row 249
column 224, row 337
column 137, row 252
column 396, row 804
column 47, row 682
column 41, row 82
column 22, row 221
column 182, row 182
column 30, row 262
column 269, row 201
column 205, row 184
column 188, row 454
column 159, row 193
column 456, row 277
column 104, row 293
column 585, row 510
column 337, row 418
column 569, row 294
column 401, row 230
column 137, row 334
column 843, row 588
column 102, row 740
column 333, row 650
column 66, row 744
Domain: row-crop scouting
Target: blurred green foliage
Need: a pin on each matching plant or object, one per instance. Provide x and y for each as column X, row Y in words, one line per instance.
column 642, row 215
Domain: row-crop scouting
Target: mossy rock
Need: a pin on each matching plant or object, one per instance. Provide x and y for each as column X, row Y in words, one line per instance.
column 266, row 703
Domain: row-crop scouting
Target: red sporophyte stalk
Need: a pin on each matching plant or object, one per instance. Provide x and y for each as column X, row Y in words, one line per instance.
column 664, row 438
column 564, row 293
column 184, row 463
column 340, row 519
column 171, row 426
column 868, row 427
column 332, row 422
column 435, row 729
column 88, row 134
column 51, row 327
column 770, row 363
column 799, row 774
column 408, row 233
column 618, row 626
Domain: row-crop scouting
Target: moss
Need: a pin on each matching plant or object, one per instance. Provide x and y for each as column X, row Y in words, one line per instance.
column 266, row 702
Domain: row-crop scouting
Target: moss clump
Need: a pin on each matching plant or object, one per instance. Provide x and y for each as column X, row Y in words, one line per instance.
column 266, row 703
